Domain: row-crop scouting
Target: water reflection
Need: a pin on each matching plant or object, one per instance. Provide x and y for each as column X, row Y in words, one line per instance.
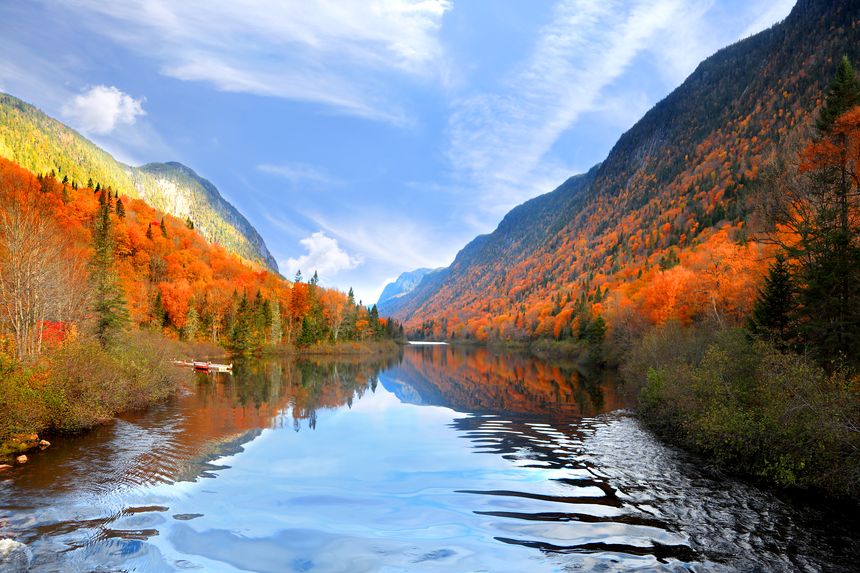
column 458, row 460
column 482, row 380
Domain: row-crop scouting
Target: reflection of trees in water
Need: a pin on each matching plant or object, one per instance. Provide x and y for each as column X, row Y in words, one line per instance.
column 304, row 385
column 484, row 380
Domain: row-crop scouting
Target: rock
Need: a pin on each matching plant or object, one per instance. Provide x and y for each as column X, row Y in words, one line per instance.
column 22, row 459
column 44, row 444
column 4, row 467
column 14, row 556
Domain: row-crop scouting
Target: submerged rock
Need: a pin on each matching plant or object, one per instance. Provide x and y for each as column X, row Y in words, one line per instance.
column 44, row 444
column 22, row 459
column 14, row 556
column 4, row 467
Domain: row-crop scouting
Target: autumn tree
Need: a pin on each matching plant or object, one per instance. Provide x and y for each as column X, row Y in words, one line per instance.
column 38, row 280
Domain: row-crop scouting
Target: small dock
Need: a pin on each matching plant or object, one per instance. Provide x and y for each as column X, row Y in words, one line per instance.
column 201, row 366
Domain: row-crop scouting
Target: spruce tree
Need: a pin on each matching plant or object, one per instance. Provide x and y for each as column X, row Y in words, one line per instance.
column 120, row 209
column 842, row 95
column 163, row 228
column 773, row 313
column 109, row 306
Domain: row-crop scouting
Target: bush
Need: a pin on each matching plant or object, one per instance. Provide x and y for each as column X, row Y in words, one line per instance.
column 752, row 408
column 80, row 384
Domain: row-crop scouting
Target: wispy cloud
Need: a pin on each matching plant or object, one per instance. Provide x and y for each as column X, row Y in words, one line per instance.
column 299, row 174
column 324, row 256
column 500, row 140
column 314, row 50
column 100, row 109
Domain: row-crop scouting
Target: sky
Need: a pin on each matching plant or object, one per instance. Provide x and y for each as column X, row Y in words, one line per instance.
column 364, row 138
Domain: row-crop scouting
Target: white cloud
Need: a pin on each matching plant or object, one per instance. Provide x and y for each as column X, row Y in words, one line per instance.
column 101, row 109
column 313, row 50
column 324, row 256
column 772, row 12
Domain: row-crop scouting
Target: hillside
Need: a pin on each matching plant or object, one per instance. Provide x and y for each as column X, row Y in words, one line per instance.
column 670, row 205
column 42, row 145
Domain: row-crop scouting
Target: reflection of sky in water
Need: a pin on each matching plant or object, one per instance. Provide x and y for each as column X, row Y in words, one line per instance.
column 371, row 486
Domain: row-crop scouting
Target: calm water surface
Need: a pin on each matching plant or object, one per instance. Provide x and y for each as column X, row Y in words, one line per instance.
column 440, row 460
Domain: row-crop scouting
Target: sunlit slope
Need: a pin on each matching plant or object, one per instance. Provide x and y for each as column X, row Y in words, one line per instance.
column 42, row 144
column 676, row 180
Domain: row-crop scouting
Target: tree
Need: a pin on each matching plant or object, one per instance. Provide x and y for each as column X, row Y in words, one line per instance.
column 842, row 95
column 189, row 223
column 773, row 313
column 39, row 281
column 192, row 323
column 120, row 209
column 276, row 331
column 109, row 305
column 163, row 228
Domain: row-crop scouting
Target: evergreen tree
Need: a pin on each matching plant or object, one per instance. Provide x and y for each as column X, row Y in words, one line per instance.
column 120, row 209
column 773, row 313
column 277, row 330
column 159, row 315
column 149, row 232
column 843, row 94
column 298, row 278
column 90, row 183
column 829, row 250
column 163, row 228
column 240, row 336
column 189, row 223
column 192, row 323
column 315, row 280
column 109, row 306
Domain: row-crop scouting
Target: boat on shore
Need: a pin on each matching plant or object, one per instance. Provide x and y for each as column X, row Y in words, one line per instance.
column 201, row 366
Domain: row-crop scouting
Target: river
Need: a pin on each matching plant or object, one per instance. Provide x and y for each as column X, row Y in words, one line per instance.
column 442, row 459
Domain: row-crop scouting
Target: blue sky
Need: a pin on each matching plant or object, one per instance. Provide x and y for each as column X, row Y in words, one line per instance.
column 364, row 138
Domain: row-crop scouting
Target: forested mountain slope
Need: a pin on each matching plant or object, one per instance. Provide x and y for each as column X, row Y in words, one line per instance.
column 43, row 145
column 674, row 189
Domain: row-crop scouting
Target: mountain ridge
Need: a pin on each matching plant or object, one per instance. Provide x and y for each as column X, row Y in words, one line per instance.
column 679, row 176
column 42, row 144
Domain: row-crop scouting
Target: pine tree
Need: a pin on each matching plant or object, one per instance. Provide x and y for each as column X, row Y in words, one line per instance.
column 842, row 95
column 159, row 315
column 149, row 232
column 120, row 209
column 189, row 223
column 192, row 323
column 773, row 313
column 298, row 278
column 163, row 228
column 277, row 330
column 315, row 280
column 109, row 306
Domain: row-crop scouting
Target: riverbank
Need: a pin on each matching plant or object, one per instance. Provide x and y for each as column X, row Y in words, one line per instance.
column 774, row 417
column 81, row 385
column 348, row 348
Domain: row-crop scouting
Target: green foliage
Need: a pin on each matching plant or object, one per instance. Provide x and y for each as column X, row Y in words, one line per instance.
column 842, row 95
column 751, row 407
column 775, row 309
column 109, row 306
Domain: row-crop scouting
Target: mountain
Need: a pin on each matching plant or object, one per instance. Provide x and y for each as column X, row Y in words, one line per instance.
column 42, row 144
column 676, row 184
column 393, row 292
